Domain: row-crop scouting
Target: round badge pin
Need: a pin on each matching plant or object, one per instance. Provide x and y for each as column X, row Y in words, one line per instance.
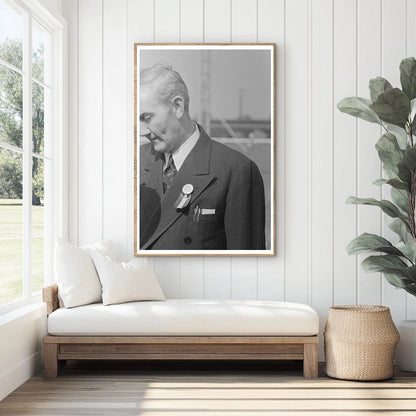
column 187, row 189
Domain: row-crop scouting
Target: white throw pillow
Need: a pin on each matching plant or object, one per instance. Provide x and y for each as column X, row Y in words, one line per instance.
column 126, row 282
column 75, row 273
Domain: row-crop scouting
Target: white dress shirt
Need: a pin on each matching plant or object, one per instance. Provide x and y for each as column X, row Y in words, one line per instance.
column 182, row 152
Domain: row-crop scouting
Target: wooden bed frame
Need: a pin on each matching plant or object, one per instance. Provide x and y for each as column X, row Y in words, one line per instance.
column 58, row 349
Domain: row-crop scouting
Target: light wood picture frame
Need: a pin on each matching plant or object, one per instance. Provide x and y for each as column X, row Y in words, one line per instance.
column 204, row 163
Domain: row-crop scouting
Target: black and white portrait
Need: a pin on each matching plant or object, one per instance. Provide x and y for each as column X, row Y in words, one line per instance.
column 204, row 131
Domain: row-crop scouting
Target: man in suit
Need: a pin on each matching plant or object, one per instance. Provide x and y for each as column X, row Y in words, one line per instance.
column 195, row 193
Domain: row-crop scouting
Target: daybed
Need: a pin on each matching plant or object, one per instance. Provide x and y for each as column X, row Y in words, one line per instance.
column 181, row 329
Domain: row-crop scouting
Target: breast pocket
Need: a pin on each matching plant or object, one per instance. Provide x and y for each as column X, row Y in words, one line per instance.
column 204, row 215
column 207, row 231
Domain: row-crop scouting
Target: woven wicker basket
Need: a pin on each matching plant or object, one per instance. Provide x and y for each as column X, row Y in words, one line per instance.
column 360, row 341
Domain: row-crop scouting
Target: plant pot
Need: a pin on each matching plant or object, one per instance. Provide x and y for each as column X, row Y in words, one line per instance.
column 360, row 341
column 406, row 350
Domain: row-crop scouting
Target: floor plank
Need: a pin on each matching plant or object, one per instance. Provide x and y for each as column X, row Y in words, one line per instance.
column 218, row 388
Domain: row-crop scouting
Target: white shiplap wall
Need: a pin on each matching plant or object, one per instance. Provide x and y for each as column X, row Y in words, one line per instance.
column 326, row 50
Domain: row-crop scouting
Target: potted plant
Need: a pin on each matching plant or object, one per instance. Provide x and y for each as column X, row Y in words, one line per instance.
column 394, row 109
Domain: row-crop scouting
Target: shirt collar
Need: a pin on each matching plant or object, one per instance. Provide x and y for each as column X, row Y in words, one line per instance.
column 180, row 154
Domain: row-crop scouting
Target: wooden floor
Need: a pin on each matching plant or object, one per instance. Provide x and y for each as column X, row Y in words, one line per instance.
column 192, row 389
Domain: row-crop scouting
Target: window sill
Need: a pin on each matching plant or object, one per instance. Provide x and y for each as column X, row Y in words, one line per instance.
column 35, row 307
column 19, row 303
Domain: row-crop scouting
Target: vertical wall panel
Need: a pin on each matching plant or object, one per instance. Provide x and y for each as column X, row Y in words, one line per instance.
column 411, row 28
column 393, row 51
column 192, row 277
column 296, row 152
column 90, row 183
column 411, row 51
column 168, row 271
column 321, row 166
column 271, row 29
column 244, row 29
column 217, row 21
column 345, row 151
column 192, row 21
column 167, row 16
column 217, row 28
column 369, row 167
column 70, row 11
column 140, row 25
column 115, row 137
column 217, row 278
column 192, row 31
column 244, row 21
column 244, row 278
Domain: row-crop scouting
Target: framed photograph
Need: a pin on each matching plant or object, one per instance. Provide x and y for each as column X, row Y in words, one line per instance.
column 204, row 149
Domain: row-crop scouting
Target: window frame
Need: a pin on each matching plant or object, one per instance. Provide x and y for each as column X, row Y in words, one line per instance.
column 57, row 226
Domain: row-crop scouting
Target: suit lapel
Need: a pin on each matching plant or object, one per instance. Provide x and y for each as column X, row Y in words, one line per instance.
column 153, row 169
column 194, row 171
column 152, row 179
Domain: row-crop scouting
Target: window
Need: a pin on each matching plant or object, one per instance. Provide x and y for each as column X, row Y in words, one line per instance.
column 31, row 142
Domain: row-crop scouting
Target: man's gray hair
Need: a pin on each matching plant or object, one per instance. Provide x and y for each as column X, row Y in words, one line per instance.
column 170, row 83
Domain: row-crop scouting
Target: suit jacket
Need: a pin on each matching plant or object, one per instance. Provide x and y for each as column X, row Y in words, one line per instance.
column 227, row 186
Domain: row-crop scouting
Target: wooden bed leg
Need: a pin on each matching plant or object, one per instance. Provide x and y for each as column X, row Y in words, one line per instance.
column 50, row 360
column 310, row 360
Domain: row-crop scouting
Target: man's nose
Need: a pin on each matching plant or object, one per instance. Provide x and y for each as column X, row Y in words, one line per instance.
column 144, row 130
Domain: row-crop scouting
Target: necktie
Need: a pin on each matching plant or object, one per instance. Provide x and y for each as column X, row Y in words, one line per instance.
column 169, row 173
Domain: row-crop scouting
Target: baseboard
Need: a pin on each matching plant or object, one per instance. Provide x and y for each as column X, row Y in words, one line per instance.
column 10, row 380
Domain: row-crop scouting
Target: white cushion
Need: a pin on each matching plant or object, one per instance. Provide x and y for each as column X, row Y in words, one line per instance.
column 187, row 317
column 126, row 282
column 75, row 273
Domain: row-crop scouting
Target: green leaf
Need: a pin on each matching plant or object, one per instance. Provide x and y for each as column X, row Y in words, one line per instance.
column 408, row 249
column 400, row 228
column 408, row 77
column 410, row 158
column 411, row 289
column 389, row 208
column 396, row 271
column 401, row 137
column 398, row 184
column 380, row 182
column 411, row 273
column 397, row 280
column 366, row 243
column 400, row 198
column 395, row 183
column 378, row 86
column 381, row 263
column 404, row 173
column 359, row 107
column 389, row 151
column 390, row 173
column 392, row 107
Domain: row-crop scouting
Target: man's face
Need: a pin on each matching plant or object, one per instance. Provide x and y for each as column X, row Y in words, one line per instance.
column 158, row 122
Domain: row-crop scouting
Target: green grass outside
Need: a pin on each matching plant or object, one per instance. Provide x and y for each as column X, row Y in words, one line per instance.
column 11, row 249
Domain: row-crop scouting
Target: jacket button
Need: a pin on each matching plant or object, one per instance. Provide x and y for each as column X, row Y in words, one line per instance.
column 187, row 240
